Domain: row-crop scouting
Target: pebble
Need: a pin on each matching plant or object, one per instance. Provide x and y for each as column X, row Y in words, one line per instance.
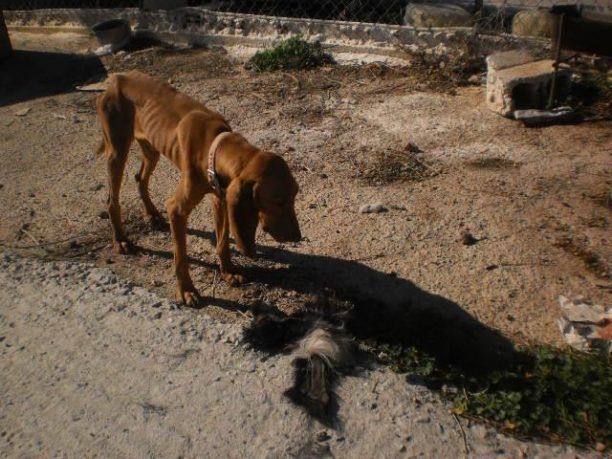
column 23, row 112
column 479, row 431
column 468, row 238
column 376, row 208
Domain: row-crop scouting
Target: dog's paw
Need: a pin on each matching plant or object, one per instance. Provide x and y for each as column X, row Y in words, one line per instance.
column 190, row 298
column 124, row 247
column 233, row 279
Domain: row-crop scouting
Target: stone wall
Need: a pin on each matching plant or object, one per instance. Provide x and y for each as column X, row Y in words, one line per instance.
column 202, row 26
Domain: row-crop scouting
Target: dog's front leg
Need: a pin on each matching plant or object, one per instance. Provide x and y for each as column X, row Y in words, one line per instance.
column 227, row 268
column 188, row 194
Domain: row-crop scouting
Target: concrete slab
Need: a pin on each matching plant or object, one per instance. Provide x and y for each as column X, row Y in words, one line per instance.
column 525, row 86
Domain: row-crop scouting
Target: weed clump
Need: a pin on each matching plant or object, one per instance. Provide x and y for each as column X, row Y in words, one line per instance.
column 557, row 394
column 392, row 166
column 292, row 54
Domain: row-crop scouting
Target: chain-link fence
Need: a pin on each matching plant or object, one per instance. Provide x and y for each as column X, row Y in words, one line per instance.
column 485, row 15
column 40, row 4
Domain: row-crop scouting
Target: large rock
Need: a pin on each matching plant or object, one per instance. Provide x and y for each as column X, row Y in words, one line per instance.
column 526, row 85
column 534, row 23
column 440, row 15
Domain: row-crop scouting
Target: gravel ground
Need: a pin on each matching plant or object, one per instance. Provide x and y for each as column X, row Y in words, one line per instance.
column 94, row 366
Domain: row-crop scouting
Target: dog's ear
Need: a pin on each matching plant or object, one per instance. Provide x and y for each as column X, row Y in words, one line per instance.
column 242, row 215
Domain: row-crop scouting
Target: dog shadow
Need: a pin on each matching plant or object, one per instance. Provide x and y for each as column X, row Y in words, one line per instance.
column 371, row 306
column 385, row 308
column 391, row 310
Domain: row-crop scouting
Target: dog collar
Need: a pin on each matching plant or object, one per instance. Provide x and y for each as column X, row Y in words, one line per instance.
column 213, row 178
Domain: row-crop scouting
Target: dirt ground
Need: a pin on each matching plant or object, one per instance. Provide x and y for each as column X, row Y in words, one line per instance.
column 537, row 201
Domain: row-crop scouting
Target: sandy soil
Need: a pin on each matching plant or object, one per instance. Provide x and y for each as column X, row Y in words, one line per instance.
column 536, row 200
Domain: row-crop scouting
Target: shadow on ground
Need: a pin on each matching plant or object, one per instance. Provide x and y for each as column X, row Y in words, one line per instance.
column 384, row 308
column 28, row 75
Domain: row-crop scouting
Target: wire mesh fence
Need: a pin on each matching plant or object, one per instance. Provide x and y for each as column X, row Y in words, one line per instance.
column 484, row 15
column 40, row 4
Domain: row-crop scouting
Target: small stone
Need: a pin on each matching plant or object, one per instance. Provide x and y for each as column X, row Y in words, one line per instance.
column 479, row 431
column 157, row 315
column 372, row 209
column 413, row 148
column 23, row 112
column 475, row 79
column 468, row 239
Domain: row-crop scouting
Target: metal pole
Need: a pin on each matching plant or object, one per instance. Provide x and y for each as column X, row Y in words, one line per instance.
column 553, row 86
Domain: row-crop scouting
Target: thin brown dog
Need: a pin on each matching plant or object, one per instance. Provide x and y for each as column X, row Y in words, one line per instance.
column 249, row 186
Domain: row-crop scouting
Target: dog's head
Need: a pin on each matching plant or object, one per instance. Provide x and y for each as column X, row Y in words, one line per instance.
column 263, row 193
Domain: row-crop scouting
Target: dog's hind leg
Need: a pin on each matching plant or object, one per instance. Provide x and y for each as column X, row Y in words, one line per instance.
column 150, row 158
column 117, row 116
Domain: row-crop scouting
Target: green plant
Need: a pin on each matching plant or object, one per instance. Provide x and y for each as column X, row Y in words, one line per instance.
column 562, row 395
column 290, row 54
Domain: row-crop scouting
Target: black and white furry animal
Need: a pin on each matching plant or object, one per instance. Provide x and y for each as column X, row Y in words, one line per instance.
column 322, row 352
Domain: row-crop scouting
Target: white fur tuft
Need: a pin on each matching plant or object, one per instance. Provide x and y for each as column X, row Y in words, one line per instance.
column 332, row 350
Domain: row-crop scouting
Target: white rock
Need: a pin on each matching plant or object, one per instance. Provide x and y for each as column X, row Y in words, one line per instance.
column 372, row 208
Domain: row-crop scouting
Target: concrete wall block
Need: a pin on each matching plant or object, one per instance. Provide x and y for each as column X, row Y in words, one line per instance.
column 523, row 86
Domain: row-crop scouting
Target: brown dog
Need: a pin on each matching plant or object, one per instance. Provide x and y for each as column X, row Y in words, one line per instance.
column 249, row 186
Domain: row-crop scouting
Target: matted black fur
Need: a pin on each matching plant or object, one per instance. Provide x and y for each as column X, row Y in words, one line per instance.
column 315, row 377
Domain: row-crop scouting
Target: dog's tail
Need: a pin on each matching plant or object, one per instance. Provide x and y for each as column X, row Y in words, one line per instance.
column 318, row 357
